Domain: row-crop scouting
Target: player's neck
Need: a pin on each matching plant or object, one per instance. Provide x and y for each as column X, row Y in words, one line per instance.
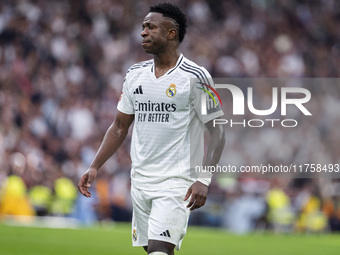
column 165, row 61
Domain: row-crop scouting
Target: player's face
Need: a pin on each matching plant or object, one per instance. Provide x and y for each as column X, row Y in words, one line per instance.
column 155, row 33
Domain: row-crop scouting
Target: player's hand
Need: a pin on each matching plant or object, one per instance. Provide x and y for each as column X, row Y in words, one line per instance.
column 198, row 192
column 86, row 181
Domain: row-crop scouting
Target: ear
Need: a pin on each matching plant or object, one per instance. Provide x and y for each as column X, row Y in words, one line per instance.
column 172, row 33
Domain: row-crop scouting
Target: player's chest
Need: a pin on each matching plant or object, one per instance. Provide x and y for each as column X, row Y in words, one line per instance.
column 162, row 92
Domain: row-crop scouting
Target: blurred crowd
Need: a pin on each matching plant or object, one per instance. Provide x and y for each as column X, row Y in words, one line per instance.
column 62, row 65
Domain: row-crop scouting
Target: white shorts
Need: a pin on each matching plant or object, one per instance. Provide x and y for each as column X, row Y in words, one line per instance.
column 159, row 215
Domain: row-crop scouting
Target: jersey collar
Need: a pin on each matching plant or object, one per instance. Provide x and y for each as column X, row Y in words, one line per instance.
column 179, row 61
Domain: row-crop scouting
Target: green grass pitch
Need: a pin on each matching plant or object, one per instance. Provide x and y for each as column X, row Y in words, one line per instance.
column 116, row 240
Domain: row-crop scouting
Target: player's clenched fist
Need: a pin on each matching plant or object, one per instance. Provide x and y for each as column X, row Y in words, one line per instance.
column 86, row 180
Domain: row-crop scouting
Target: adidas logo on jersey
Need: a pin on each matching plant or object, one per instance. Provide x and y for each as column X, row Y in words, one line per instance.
column 138, row 90
column 166, row 233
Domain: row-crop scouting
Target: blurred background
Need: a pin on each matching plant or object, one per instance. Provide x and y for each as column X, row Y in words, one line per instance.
column 62, row 65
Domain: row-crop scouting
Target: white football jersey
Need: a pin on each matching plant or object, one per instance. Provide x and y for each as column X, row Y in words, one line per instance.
column 166, row 111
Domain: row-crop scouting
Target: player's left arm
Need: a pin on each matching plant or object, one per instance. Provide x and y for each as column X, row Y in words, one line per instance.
column 199, row 190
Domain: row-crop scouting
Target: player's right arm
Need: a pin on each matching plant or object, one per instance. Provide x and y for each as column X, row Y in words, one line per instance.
column 113, row 138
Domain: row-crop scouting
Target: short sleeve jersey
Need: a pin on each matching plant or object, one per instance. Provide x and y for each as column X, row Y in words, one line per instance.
column 166, row 110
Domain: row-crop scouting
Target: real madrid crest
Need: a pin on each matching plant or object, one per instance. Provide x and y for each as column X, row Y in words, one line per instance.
column 171, row 91
column 134, row 235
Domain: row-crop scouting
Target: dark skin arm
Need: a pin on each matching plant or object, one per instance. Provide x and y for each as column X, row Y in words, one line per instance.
column 113, row 138
column 198, row 191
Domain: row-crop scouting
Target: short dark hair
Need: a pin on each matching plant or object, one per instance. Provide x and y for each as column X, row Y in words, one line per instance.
column 174, row 12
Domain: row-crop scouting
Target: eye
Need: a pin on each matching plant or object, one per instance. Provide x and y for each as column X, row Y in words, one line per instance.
column 149, row 26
